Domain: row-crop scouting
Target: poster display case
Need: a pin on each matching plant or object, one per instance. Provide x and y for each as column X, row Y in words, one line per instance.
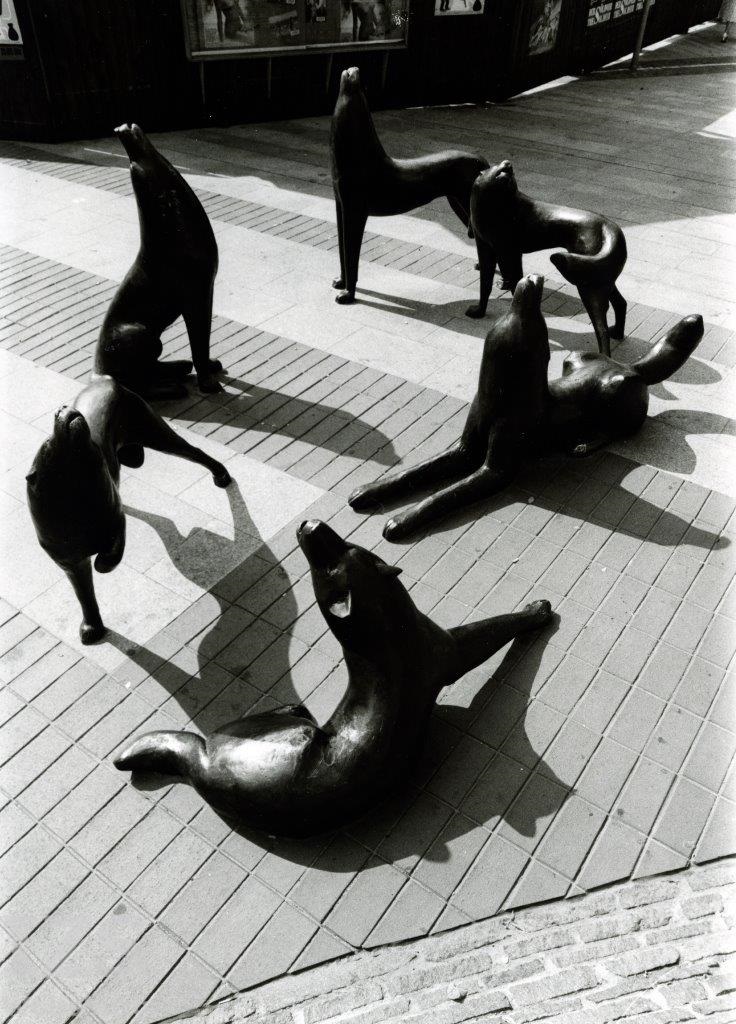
column 241, row 28
column 11, row 40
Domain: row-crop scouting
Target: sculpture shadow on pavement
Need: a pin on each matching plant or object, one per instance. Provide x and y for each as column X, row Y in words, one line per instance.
column 289, row 416
column 205, row 691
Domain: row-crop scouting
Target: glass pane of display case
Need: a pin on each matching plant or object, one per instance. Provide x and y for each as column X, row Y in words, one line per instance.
column 234, row 27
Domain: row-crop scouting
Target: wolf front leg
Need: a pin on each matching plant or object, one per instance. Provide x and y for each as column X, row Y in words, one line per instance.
column 150, row 430
column 487, row 264
column 354, row 217
column 92, row 627
column 452, row 464
column 197, row 315
column 475, row 642
column 481, row 484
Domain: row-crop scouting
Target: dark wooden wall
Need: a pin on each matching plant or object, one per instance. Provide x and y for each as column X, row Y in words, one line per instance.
column 92, row 64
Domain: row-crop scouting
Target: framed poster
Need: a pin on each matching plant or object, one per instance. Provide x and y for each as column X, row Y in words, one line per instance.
column 11, row 41
column 545, row 25
column 230, row 28
column 458, row 7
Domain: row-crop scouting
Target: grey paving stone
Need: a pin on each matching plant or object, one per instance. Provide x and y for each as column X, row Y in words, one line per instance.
column 19, row 976
column 490, row 879
column 236, row 924
column 129, row 983
column 277, row 946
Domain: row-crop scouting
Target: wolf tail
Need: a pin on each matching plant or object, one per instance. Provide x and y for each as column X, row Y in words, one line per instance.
column 165, row 752
column 671, row 351
column 602, row 267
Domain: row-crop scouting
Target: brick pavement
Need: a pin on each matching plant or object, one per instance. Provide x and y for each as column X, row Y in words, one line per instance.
column 653, row 952
column 563, row 765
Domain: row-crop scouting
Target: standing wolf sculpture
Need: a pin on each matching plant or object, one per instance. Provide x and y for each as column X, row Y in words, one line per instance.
column 279, row 770
column 72, row 486
column 369, row 183
column 507, row 223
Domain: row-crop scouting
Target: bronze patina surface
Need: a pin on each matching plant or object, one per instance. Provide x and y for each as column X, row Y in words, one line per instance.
column 516, row 413
column 370, row 183
column 507, row 223
column 173, row 275
column 280, row 771
column 72, row 486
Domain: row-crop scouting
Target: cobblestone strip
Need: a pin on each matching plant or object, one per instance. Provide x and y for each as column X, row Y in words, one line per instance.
column 718, row 344
column 651, row 952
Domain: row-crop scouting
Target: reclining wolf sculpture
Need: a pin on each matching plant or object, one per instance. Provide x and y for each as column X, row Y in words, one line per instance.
column 282, row 772
column 516, row 413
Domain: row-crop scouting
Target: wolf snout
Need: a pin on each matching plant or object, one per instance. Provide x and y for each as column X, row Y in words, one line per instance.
column 64, row 416
column 322, row 547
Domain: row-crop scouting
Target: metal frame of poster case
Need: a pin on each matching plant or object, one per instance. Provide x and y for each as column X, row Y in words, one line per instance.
column 230, row 53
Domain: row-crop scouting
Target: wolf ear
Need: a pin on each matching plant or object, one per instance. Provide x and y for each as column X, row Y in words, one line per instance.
column 388, row 570
column 341, row 609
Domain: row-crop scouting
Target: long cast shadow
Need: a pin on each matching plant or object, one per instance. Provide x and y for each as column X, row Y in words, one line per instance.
column 677, row 455
column 213, row 683
column 441, row 314
column 560, row 484
column 693, row 371
column 315, row 423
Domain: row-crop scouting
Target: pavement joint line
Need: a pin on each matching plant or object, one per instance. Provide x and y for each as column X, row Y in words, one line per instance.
column 153, row 920
column 81, row 361
column 233, row 327
column 121, row 892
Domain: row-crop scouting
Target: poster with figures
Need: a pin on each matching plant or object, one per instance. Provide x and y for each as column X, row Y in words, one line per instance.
column 11, row 41
column 545, row 24
column 366, row 20
column 458, row 6
column 217, row 26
